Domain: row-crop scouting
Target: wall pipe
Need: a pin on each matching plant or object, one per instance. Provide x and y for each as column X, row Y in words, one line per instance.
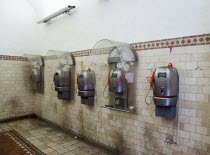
column 48, row 18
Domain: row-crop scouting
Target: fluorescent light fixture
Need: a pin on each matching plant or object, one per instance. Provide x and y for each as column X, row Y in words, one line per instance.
column 48, row 18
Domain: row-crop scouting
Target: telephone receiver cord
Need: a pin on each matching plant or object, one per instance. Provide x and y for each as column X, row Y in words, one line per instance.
column 77, row 91
column 52, row 88
column 104, row 92
column 147, row 96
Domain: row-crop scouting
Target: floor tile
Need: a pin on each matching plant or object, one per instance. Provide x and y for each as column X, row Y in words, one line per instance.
column 43, row 147
column 53, row 153
column 48, row 150
column 57, row 147
column 71, row 147
column 51, row 141
column 61, row 151
column 68, row 153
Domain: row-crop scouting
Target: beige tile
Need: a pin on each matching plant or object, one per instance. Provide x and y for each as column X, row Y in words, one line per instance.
column 38, row 144
column 66, row 144
column 184, row 134
column 52, row 144
column 68, row 153
column 77, row 151
column 71, row 147
column 43, row 147
column 61, row 151
column 196, row 137
column 57, row 147
column 189, row 127
column 48, row 150
column 45, row 140
column 53, row 153
column 206, row 139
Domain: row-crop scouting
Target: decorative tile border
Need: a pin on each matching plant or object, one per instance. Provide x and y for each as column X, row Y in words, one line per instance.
column 92, row 52
column 174, row 42
column 156, row 44
column 83, row 53
column 165, row 43
column 53, row 57
column 14, row 58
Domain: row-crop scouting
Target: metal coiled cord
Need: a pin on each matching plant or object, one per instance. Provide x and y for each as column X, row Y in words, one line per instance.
column 147, row 96
column 104, row 92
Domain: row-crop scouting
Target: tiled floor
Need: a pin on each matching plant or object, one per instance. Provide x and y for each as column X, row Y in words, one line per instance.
column 51, row 141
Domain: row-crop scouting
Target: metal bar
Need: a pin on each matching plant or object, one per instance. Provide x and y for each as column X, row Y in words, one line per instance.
column 64, row 10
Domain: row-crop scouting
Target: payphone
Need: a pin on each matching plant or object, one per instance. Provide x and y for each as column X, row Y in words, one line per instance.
column 122, row 56
column 165, row 83
column 86, row 86
column 37, row 72
column 118, row 84
column 62, row 78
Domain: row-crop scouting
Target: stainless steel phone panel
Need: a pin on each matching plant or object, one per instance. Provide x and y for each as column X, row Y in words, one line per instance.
column 166, row 82
column 62, row 78
column 86, row 80
column 118, row 82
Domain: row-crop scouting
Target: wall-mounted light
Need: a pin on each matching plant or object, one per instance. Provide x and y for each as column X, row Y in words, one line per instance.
column 48, row 18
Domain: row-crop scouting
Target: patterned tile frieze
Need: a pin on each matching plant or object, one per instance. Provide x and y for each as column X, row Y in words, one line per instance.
column 165, row 43
column 173, row 42
column 15, row 58
column 156, row 44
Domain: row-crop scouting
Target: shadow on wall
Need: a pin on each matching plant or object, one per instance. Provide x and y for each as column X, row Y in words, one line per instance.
column 150, row 141
column 120, row 142
column 13, row 104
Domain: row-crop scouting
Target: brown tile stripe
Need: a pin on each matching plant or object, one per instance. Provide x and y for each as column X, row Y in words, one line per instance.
column 14, row 58
column 156, row 44
column 174, row 42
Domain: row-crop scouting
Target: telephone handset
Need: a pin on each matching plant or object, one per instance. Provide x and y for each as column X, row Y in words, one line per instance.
column 152, row 79
column 54, row 77
column 77, row 78
column 170, row 65
column 109, row 78
column 151, row 85
column 30, row 76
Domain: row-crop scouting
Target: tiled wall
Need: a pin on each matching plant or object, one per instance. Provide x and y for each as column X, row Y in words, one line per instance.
column 15, row 94
column 139, row 133
column 142, row 132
